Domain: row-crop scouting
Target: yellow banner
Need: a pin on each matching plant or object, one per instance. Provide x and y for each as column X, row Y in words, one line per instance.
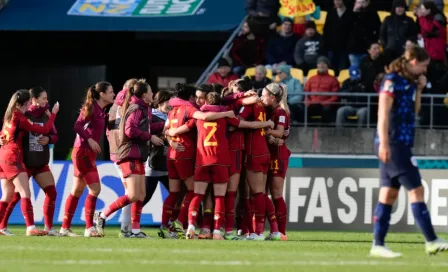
column 294, row 8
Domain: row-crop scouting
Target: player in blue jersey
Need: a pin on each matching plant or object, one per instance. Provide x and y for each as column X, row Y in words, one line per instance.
column 399, row 101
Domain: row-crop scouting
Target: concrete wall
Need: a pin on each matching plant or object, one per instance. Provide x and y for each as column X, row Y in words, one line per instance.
column 357, row 141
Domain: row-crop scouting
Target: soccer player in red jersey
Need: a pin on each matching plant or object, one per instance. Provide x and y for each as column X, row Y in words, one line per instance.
column 213, row 161
column 132, row 154
column 36, row 158
column 13, row 172
column 181, row 154
column 88, row 127
column 274, row 98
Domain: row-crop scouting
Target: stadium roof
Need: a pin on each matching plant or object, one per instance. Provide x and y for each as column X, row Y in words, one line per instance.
column 122, row 15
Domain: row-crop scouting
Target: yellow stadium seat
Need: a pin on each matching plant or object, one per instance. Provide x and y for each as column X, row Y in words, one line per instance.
column 383, row 15
column 251, row 72
column 354, row 117
column 297, row 74
column 411, row 14
column 321, row 22
column 316, row 117
column 343, row 75
column 445, row 5
column 313, row 72
column 414, row 4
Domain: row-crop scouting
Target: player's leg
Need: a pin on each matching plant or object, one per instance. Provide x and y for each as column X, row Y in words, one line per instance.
column 185, row 168
column 205, row 231
column 137, row 207
column 232, row 188
column 93, row 183
column 21, row 182
column 171, row 201
column 202, row 177
column 277, row 184
column 71, row 204
column 7, row 196
column 4, row 223
column 125, row 216
column 220, row 178
column 274, row 233
column 45, row 180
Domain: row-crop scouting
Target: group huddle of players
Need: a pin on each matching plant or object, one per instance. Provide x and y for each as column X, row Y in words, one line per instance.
column 208, row 138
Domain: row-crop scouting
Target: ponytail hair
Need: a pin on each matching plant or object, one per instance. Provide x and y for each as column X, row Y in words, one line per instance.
column 93, row 94
column 399, row 65
column 19, row 98
column 137, row 90
column 280, row 92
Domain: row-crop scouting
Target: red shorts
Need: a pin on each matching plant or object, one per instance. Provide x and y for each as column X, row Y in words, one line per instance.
column 278, row 168
column 9, row 170
column 180, row 169
column 236, row 161
column 258, row 163
column 132, row 167
column 212, row 173
column 34, row 171
column 85, row 165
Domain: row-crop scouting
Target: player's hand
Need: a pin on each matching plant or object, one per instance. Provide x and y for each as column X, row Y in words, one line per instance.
column 156, row 140
column 48, row 113
column 250, row 93
column 177, row 146
column 286, row 133
column 271, row 139
column 43, row 140
column 230, row 114
column 170, row 132
column 94, row 146
column 2, row 140
column 384, row 153
column 55, row 109
column 270, row 124
column 280, row 142
column 421, row 83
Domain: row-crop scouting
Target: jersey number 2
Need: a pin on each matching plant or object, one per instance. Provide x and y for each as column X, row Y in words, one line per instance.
column 210, row 134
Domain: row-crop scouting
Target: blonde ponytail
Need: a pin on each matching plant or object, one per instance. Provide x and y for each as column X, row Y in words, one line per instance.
column 284, row 100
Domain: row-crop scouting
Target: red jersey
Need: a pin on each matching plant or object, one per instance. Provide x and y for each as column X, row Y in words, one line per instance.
column 236, row 137
column 90, row 127
column 178, row 116
column 213, row 146
column 280, row 117
column 14, row 131
column 256, row 144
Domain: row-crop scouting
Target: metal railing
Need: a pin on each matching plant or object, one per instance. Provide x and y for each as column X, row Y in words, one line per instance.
column 432, row 106
column 222, row 53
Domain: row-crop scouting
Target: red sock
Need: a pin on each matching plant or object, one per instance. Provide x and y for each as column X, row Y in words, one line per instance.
column 230, row 211
column 193, row 209
column 183, row 215
column 27, row 211
column 281, row 212
column 220, row 209
column 136, row 214
column 3, row 207
column 270, row 214
column 260, row 212
column 49, row 205
column 89, row 209
column 168, row 208
column 208, row 219
column 121, row 202
column 9, row 209
column 249, row 216
column 70, row 208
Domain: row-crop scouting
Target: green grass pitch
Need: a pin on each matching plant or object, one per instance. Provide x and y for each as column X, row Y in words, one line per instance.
column 305, row 251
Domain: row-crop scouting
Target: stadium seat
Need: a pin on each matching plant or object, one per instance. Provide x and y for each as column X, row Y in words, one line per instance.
column 313, row 72
column 354, row 117
column 316, row 117
column 411, row 14
column 251, row 72
column 343, row 75
column 445, row 5
column 320, row 23
column 295, row 73
column 383, row 15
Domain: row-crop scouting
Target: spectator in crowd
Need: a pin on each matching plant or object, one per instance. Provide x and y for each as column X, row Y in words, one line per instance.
column 281, row 47
column 295, row 92
column 336, row 32
column 439, row 3
column 259, row 81
column 308, row 48
column 223, row 74
column 319, row 105
column 396, row 30
column 433, row 23
column 248, row 50
column 371, row 65
column 355, row 105
column 365, row 29
column 262, row 15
